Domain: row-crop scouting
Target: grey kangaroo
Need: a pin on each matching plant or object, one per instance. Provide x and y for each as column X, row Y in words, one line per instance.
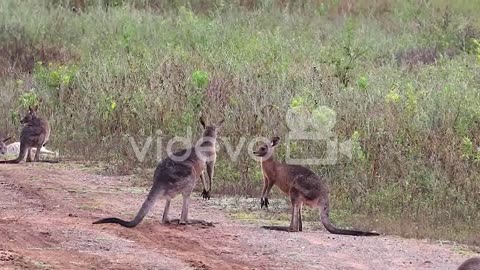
column 35, row 134
column 178, row 174
column 302, row 185
column 470, row 264
column 3, row 145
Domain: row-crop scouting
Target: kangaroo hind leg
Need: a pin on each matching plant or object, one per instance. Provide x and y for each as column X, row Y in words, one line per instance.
column 300, row 225
column 37, row 153
column 184, row 214
column 29, row 154
column 296, row 220
column 165, row 219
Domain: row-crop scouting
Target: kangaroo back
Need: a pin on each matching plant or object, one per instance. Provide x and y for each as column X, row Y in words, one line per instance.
column 470, row 264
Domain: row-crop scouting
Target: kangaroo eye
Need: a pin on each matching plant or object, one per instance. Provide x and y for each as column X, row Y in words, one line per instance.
column 263, row 148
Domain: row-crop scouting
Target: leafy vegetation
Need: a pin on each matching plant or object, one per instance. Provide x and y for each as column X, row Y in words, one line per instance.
column 402, row 79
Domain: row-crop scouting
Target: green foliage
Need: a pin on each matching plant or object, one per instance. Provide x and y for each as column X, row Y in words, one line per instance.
column 324, row 118
column 14, row 117
column 467, row 147
column 200, row 78
column 469, row 151
column 107, row 106
column 411, row 100
column 392, row 96
column 55, row 76
column 357, row 151
column 477, row 48
column 29, row 99
column 362, row 83
column 127, row 34
column 297, row 102
column 346, row 54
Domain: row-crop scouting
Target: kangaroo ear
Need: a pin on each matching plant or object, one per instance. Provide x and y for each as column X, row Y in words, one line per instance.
column 275, row 140
column 30, row 109
column 202, row 122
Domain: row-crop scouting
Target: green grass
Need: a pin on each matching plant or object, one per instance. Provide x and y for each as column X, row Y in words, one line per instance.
column 130, row 68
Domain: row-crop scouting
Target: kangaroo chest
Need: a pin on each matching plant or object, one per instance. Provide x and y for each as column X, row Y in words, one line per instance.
column 277, row 176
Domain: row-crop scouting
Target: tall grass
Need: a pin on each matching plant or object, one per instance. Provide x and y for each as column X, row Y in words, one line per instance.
column 402, row 77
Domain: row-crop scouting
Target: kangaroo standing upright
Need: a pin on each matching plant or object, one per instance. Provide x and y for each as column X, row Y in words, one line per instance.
column 302, row 185
column 470, row 264
column 178, row 174
column 34, row 134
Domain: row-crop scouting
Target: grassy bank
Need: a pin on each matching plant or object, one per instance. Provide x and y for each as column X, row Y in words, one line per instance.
column 402, row 77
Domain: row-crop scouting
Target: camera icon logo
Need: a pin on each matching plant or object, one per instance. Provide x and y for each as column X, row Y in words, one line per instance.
column 316, row 125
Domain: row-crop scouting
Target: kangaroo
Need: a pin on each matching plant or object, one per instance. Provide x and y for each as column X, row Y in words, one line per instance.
column 302, row 185
column 3, row 145
column 178, row 174
column 14, row 149
column 35, row 133
column 470, row 264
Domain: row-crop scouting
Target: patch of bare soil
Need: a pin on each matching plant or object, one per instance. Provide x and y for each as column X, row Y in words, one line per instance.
column 47, row 210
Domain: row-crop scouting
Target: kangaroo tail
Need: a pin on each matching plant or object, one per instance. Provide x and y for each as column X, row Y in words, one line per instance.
column 44, row 150
column 324, row 217
column 21, row 155
column 147, row 205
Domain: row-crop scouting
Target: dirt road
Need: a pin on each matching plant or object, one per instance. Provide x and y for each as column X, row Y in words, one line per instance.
column 46, row 211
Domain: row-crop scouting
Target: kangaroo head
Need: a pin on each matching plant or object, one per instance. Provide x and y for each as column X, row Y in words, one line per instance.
column 266, row 150
column 3, row 145
column 30, row 115
column 210, row 130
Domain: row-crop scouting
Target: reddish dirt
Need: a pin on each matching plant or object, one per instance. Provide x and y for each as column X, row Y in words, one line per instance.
column 46, row 211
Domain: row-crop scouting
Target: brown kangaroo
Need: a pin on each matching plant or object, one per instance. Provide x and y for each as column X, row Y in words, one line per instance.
column 470, row 264
column 178, row 174
column 35, row 133
column 302, row 185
